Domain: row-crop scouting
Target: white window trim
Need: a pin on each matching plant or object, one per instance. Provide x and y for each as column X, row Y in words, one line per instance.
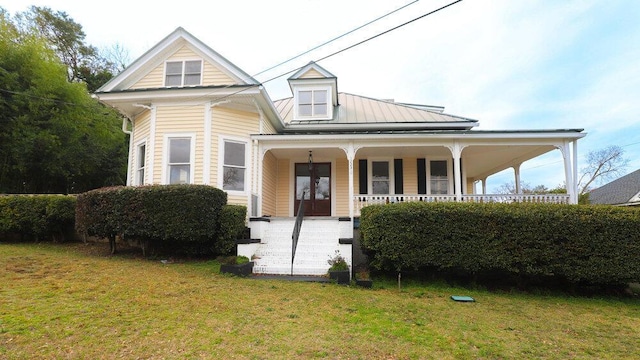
column 449, row 174
column 247, row 167
column 165, row 156
column 296, row 104
column 184, row 61
column 136, row 177
column 392, row 187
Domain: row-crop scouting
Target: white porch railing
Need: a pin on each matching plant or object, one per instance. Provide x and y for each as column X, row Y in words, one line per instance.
column 361, row 201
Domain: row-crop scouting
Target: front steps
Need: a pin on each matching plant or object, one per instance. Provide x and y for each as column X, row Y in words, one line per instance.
column 320, row 239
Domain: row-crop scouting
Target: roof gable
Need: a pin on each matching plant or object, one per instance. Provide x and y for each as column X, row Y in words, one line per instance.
column 312, row 71
column 177, row 45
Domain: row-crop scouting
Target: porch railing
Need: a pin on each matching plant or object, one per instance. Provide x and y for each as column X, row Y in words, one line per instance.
column 361, row 201
column 296, row 231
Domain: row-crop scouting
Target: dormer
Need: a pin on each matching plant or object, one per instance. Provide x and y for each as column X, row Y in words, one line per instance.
column 315, row 93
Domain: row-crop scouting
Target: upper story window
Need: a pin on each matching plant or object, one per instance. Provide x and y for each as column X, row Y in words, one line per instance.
column 183, row 73
column 312, row 104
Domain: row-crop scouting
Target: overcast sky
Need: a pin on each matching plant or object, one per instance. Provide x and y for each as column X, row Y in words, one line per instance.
column 509, row 64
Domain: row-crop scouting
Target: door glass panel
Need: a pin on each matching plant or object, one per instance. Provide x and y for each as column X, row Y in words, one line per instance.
column 323, row 187
column 303, row 181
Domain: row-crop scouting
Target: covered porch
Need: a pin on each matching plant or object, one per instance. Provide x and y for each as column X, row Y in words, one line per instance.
column 341, row 173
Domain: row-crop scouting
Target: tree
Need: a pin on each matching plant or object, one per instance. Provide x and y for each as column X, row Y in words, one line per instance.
column 53, row 136
column 602, row 165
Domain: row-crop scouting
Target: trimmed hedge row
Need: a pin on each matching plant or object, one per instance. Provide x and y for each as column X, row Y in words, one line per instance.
column 579, row 244
column 183, row 218
column 37, row 217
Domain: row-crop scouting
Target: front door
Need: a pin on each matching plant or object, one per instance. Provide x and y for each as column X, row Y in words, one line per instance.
column 315, row 181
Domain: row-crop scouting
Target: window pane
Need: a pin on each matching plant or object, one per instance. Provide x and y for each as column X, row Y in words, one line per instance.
column 304, row 97
column 320, row 109
column 320, row 97
column 304, row 110
column 141, row 177
column 174, row 68
column 234, row 153
column 179, row 151
column 233, row 179
column 179, row 174
column 380, row 187
column 192, row 67
column 303, row 184
column 380, row 177
column 439, row 168
column 141, row 155
column 192, row 79
column 173, row 80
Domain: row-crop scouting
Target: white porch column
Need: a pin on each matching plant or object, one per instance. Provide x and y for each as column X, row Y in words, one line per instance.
column 260, row 159
column 456, row 151
column 484, row 186
column 516, row 171
column 568, row 172
column 350, row 151
column 575, row 199
column 206, row 158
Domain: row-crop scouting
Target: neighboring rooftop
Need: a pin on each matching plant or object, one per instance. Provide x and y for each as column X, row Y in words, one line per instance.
column 622, row 191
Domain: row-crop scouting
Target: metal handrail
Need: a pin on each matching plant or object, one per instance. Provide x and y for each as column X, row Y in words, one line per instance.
column 296, row 230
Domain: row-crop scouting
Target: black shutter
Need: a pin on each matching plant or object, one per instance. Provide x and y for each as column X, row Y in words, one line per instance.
column 422, row 176
column 362, row 176
column 398, row 176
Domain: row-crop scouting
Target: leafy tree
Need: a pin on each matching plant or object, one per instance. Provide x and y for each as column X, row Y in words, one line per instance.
column 54, row 138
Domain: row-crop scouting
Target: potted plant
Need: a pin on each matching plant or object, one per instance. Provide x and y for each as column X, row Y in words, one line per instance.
column 339, row 269
column 237, row 265
column 363, row 277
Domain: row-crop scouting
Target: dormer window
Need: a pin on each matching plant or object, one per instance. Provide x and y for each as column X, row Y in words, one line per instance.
column 183, row 73
column 312, row 104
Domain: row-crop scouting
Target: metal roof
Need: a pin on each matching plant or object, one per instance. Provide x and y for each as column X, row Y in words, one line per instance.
column 622, row 191
column 360, row 110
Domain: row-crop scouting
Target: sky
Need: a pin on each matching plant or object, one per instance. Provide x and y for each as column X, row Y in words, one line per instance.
column 542, row 64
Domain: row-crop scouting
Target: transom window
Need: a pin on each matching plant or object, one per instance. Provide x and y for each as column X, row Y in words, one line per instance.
column 179, row 160
column 313, row 103
column 183, row 73
column 234, row 167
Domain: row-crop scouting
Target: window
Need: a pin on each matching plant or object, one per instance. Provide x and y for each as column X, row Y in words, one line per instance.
column 179, row 160
column 438, row 177
column 234, row 168
column 313, row 103
column 140, row 163
column 380, row 179
column 183, row 73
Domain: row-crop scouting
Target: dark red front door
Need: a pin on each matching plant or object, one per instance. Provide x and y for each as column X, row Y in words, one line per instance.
column 315, row 181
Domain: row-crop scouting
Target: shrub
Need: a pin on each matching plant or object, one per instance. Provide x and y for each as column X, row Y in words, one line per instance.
column 232, row 226
column 183, row 218
column 37, row 217
column 582, row 244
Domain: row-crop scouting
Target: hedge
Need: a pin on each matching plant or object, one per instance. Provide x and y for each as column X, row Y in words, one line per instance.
column 37, row 217
column 178, row 217
column 579, row 244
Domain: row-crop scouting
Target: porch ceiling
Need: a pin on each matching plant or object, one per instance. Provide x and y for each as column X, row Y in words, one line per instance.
column 479, row 161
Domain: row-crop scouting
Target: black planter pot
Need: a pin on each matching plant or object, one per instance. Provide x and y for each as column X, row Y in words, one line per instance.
column 341, row 276
column 364, row 283
column 237, row 269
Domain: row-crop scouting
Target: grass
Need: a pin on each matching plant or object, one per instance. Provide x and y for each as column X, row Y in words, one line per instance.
column 75, row 301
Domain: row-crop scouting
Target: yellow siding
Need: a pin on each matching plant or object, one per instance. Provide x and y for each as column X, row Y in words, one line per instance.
column 234, row 123
column 212, row 75
column 283, row 189
column 269, row 184
column 267, row 127
column 177, row 120
column 410, row 175
column 142, row 126
column 237, row 200
column 311, row 74
column 342, row 187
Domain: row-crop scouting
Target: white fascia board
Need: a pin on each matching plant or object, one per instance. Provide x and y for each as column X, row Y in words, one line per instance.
column 179, row 93
column 266, row 102
column 461, row 126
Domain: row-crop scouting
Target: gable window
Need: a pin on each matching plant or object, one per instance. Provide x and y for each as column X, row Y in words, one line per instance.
column 183, row 73
column 179, row 164
column 313, row 103
column 140, row 163
column 234, row 166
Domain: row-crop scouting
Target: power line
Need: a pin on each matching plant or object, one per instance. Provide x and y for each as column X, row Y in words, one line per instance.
column 337, row 37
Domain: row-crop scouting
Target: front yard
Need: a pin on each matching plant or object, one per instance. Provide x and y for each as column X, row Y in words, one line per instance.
column 75, row 301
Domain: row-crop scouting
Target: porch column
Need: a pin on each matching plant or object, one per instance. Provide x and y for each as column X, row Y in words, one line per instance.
column 456, row 151
column 516, row 170
column 350, row 151
column 569, row 171
column 484, row 186
column 261, row 152
column 574, row 194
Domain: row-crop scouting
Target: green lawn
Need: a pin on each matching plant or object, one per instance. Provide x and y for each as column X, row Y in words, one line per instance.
column 75, row 301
